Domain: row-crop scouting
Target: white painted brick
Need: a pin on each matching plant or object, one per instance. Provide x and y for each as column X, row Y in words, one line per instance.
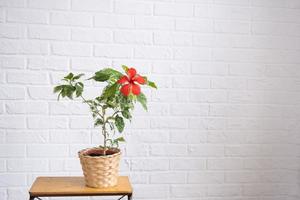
column 130, row 37
column 153, row 136
column 75, row 137
column 168, row 150
column 50, row 150
column 81, row 122
column 28, row 165
column 41, row 93
column 20, row 137
column 114, row 21
column 149, row 52
column 133, row 7
column 170, row 67
column 91, row 35
column 211, row 150
column 26, row 107
column 269, row 28
column 46, row 122
column 2, row 166
column 191, row 82
column 10, row 92
column 113, row 51
column 12, row 31
column 12, row 180
column 189, row 110
column 231, row 27
column 53, row 4
column 191, row 53
column 174, row 9
column 230, row 12
column 264, row 3
column 137, row 150
column 224, row 190
column 149, row 164
column 23, row 47
column 172, row 38
column 71, row 19
column 139, row 123
column 209, row 96
column 46, row 32
column 154, row 22
column 72, row 165
column 71, row 49
column 205, row 177
column 15, row 150
column 68, row 108
column 192, row 191
column 187, row 137
column 233, row 2
column 27, row 16
column 12, row 62
column 27, row 78
column 242, row 177
column 197, row 25
column 209, row 68
column 225, row 163
column 187, row 164
column 229, row 83
column 89, row 64
column 13, row 3
column 12, row 122
column 17, row 193
column 173, row 177
column 247, row 69
column 92, row 5
column 48, row 63
column 154, row 191
column 170, row 123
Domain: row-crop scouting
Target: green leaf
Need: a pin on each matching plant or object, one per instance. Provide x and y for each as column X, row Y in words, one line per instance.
column 125, row 68
column 126, row 114
column 119, row 122
column 143, row 100
column 77, row 76
column 100, row 76
column 107, row 74
column 120, row 139
column 98, row 122
column 110, row 91
column 79, row 89
column 57, row 88
column 151, row 84
column 69, row 76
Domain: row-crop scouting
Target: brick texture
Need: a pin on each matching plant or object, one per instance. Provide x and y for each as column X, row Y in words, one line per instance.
column 224, row 124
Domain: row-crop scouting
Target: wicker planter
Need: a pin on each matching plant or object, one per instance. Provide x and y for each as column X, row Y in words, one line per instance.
column 100, row 171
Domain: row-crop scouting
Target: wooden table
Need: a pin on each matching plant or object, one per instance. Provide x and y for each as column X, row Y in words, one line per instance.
column 75, row 186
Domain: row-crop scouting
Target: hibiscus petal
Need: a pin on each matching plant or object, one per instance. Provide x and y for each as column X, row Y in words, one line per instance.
column 123, row 79
column 131, row 72
column 139, row 79
column 136, row 90
column 125, row 89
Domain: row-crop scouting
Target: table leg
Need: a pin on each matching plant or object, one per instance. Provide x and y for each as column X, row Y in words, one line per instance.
column 129, row 196
column 31, row 198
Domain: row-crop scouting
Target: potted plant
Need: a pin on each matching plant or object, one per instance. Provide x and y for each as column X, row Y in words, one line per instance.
column 100, row 165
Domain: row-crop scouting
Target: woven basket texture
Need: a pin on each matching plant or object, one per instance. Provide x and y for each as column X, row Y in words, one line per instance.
column 100, row 171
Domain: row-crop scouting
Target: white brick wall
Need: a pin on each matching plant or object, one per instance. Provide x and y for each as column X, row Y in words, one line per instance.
column 224, row 124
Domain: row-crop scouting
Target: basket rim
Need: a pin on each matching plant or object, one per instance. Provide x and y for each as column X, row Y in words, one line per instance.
column 80, row 153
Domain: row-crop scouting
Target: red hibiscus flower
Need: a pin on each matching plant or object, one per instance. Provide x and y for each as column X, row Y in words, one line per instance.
column 129, row 82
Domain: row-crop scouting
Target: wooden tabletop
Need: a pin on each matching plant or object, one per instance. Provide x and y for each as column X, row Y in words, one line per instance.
column 75, row 186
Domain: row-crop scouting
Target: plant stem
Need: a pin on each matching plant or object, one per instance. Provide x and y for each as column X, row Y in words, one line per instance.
column 104, row 131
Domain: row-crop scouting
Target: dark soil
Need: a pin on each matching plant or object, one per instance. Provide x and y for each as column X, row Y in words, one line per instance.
column 100, row 152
